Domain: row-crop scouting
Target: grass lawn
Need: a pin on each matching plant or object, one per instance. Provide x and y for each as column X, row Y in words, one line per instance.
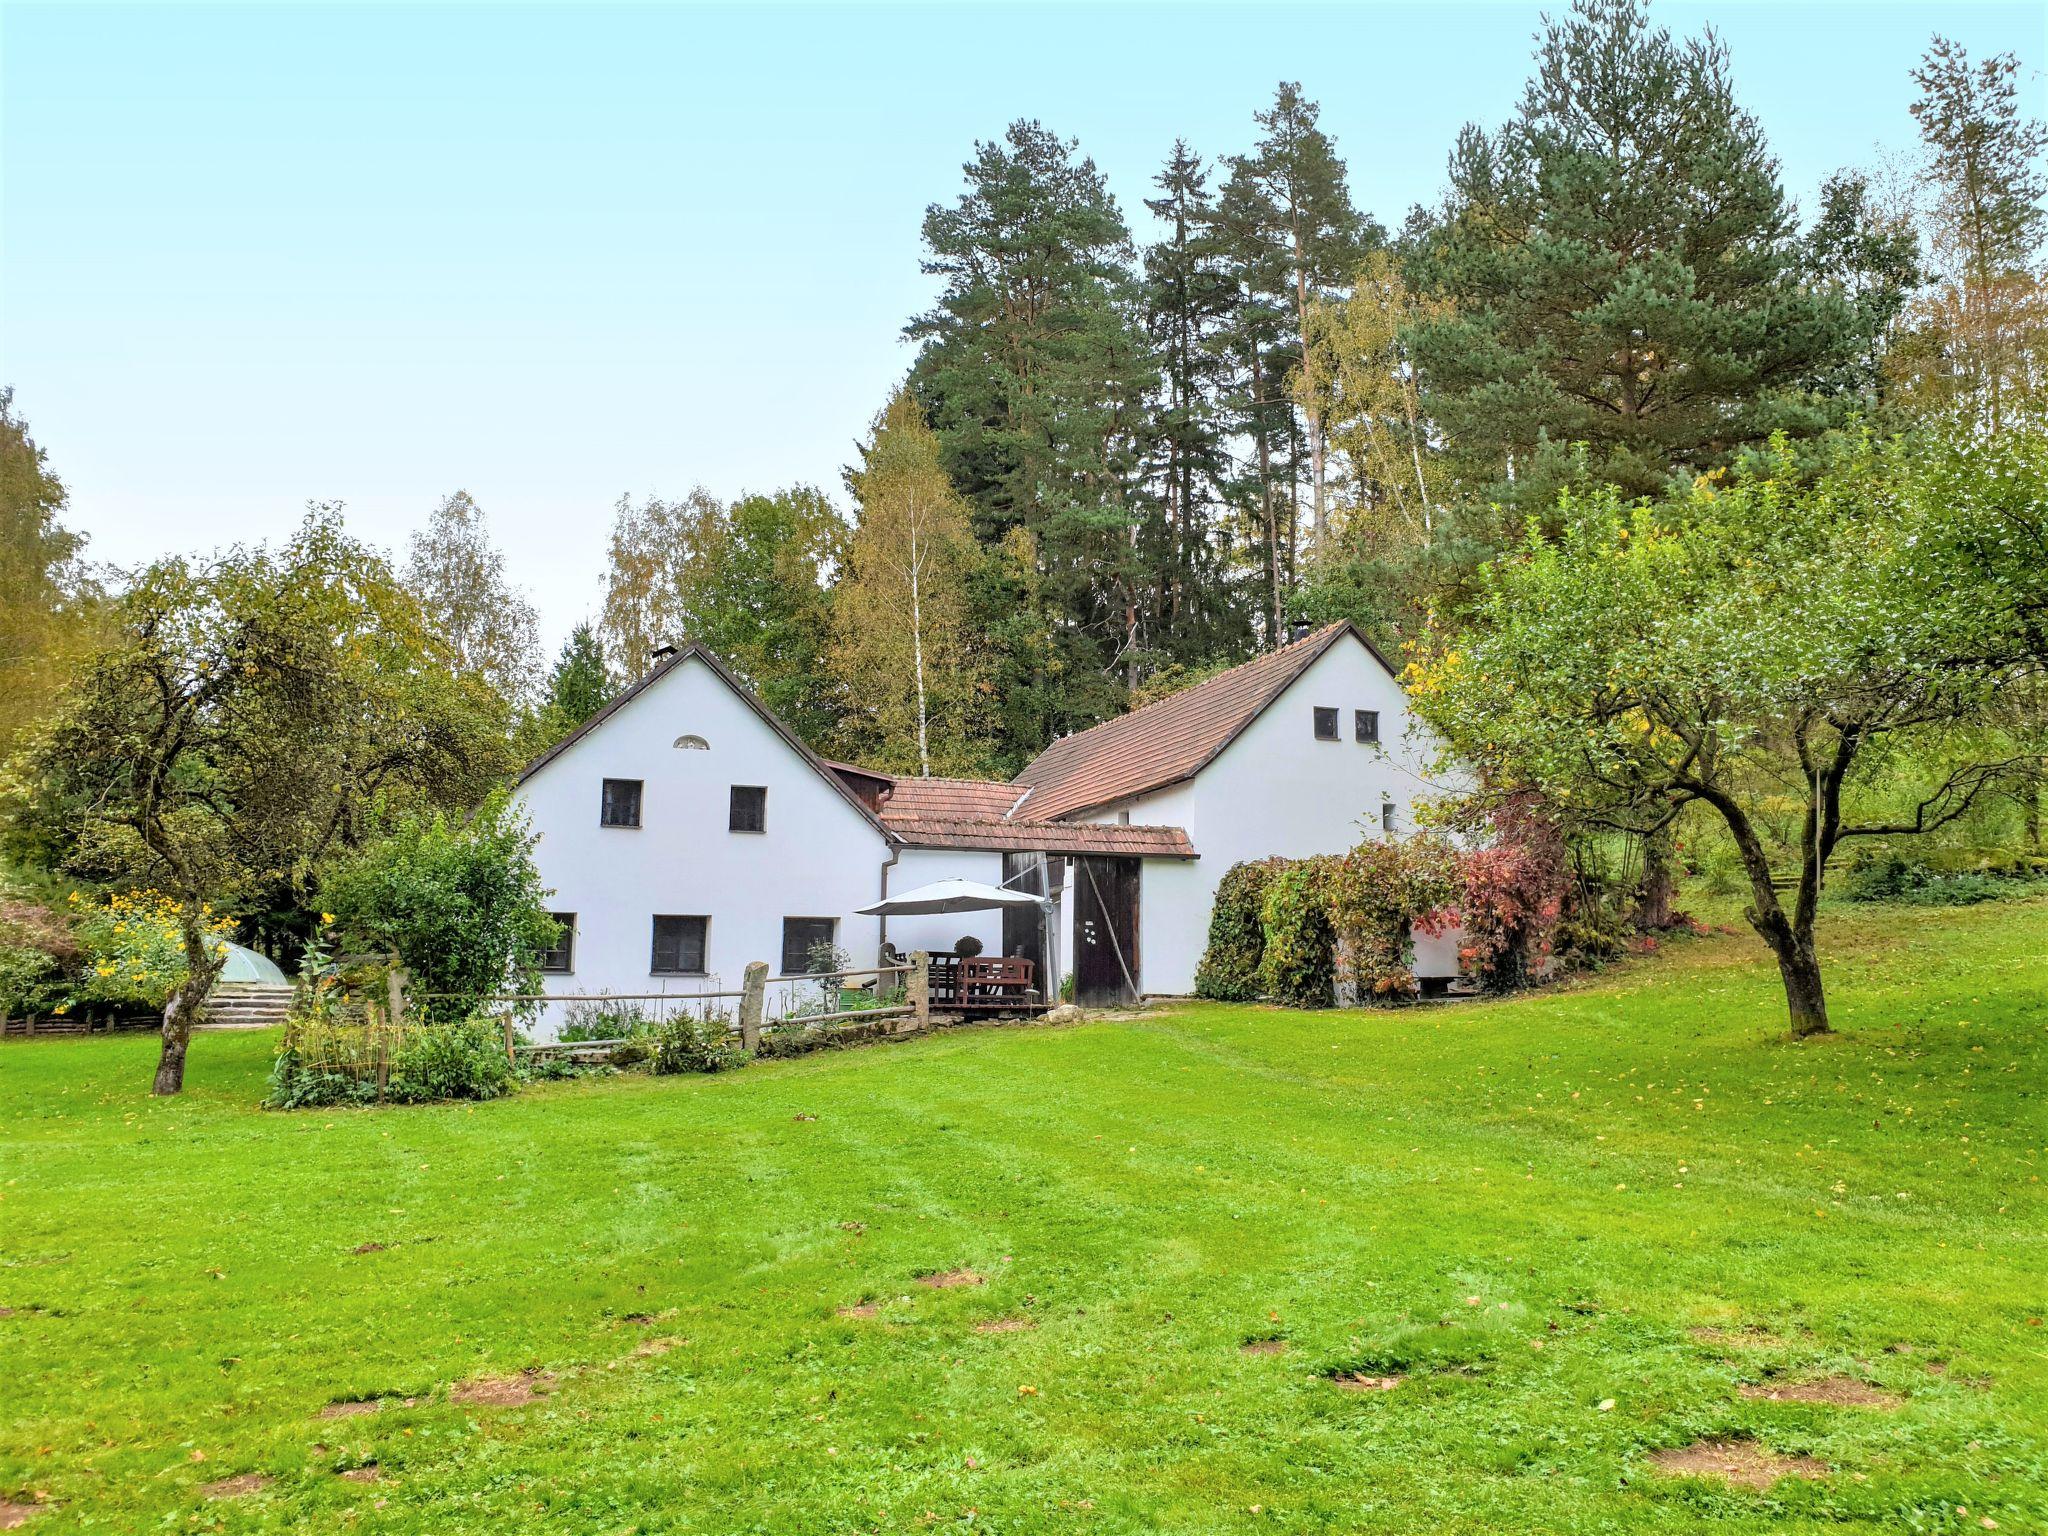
column 1632, row 1191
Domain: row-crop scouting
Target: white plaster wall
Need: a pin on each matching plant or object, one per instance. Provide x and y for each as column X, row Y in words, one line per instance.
column 818, row 858
column 1278, row 790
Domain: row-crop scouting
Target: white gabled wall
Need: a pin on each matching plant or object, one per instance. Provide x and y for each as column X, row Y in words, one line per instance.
column 818, row 858
column 1278, row 790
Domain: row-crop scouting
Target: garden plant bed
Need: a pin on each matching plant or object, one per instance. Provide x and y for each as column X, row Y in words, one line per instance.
column 1164, row 1189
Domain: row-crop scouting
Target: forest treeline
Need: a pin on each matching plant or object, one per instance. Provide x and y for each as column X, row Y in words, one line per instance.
column 1116, row 465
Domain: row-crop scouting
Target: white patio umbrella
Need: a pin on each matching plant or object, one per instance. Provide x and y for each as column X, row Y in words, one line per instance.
column 952, row 896
column 973, row 896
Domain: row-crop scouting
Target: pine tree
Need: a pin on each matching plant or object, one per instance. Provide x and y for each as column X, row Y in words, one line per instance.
column 1625, row 269
column 580, row 684
column 1033, row 370
column 1256, row 405
column 1189, row 296
column 1296, row 181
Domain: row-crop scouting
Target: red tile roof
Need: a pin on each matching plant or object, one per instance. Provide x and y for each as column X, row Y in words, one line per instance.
column 977, row 799
column 1042, row 837
column 1170, row 740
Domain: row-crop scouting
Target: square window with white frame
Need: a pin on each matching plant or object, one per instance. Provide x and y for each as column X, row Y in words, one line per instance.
column 559, row 958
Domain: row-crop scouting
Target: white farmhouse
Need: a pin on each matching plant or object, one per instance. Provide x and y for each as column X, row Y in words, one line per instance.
column 685, row 831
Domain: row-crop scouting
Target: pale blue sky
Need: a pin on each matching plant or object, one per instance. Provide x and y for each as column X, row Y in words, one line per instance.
column 254, row 255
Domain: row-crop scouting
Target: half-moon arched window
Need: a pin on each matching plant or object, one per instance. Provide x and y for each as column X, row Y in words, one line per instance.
column 692, row 744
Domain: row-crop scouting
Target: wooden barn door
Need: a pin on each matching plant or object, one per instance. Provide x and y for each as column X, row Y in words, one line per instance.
column 1106, row 973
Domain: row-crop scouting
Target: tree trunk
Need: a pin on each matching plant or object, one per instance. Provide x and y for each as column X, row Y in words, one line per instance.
column 181, row 1010
column 1790, row 938
column 1653, row 896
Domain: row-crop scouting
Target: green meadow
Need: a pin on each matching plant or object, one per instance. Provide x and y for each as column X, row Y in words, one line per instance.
column 1498, row 1263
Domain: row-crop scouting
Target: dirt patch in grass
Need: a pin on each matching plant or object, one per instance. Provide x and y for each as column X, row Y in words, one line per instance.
column 9, row 1312
column 1836, row 1391
column 502, row 1391
column 1750, row 1336
column 352, row 1407
column 1361, row 1381
column 240, row 1484
column 1004, row 1325
column 369, row 1474
column 951, row 1279
column 13, row 1515
column 370, row 1248
column 1264, row 1347
column 648, row 1348
column 1743, row 1463
column 864, row 1309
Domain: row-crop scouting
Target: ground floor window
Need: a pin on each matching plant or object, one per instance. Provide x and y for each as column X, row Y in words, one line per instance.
column 807, row 944
column 678, row 945
column 560, row 958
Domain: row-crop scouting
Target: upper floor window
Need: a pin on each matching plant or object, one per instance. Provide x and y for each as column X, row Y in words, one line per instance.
column 807, row 944
column 678, row 946
column 749, row 808
column 1326, row 724
column 559, row 958
column 1367, row 724
column 621, row 805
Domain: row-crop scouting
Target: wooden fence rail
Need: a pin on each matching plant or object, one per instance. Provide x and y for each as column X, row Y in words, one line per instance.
column 753, row 1001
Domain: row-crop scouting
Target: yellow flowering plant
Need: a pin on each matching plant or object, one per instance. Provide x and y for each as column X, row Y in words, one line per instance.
column 134, row 954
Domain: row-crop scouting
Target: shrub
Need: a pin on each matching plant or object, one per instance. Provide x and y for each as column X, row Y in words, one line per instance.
column 1888, row 877
column 134, row 954
column 323, row 1064
column 1299, row 965
column 31, row 981
column 465, row 1060
column 1378, row 894
column 688, row 1043
column 601, row 1020
column 461, row 904
column 1229, row 970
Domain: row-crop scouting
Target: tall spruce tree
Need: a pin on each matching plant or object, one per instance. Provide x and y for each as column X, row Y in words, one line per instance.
column 580, row 684
column 1033, row 370
column 1295, row 182
column 1625, row 269
column 1256, row 404
column 1189, row 296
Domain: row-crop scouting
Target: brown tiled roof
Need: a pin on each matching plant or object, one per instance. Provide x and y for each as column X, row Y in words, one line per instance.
column 1170, row 740
column 977, row 799
column 1041, row 837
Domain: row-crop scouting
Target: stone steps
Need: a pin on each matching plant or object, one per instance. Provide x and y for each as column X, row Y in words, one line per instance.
column 247, row 1005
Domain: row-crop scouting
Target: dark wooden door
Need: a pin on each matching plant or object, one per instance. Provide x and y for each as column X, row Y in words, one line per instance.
column 1106, row 973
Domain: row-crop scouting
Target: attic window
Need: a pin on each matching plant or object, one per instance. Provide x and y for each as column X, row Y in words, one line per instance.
column 691, row 744
column 1326, row 724
column 1368, row 724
